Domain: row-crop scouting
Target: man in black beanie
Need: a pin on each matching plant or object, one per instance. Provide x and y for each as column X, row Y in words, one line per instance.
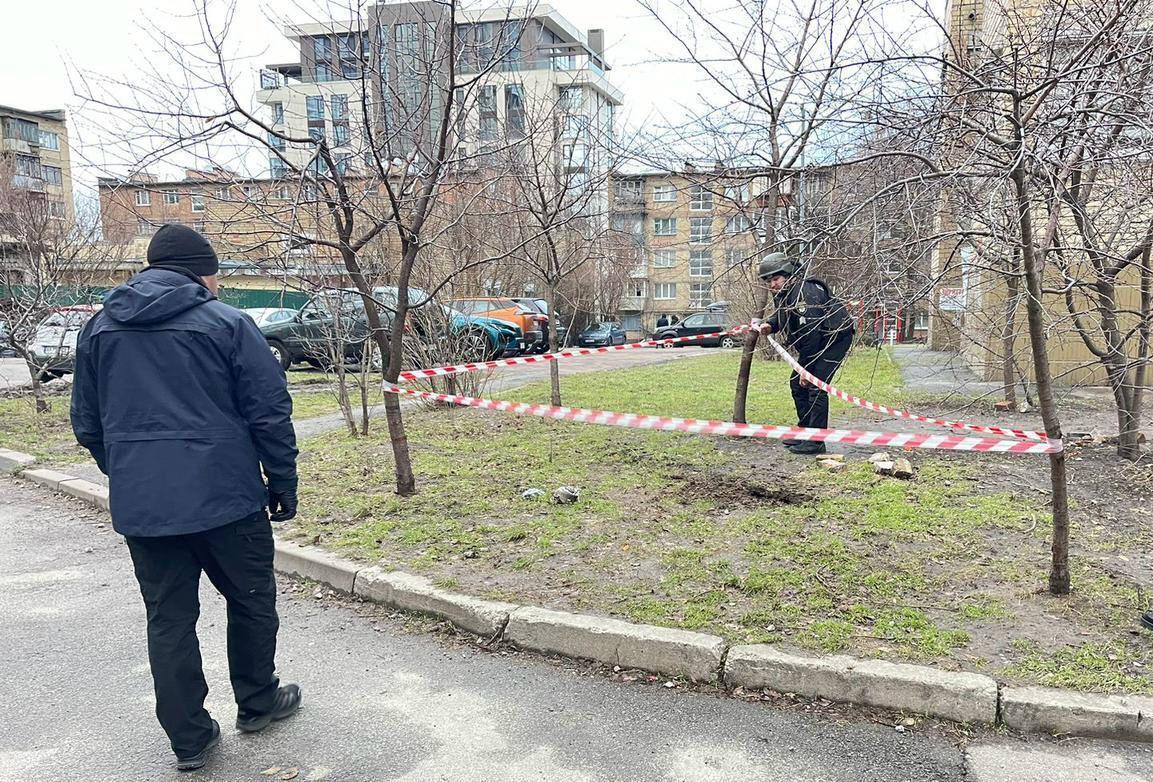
column 184, row 408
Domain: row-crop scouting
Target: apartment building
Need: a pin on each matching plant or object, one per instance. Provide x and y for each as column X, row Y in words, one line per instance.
column 34, row 153
column 697, row 233
column 382, row 78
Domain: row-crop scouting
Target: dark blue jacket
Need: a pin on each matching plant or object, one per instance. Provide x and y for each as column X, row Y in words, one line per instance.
column 181, row 403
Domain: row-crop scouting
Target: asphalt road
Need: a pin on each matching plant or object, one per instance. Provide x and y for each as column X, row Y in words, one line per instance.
column 387, row 701
column 13, row 374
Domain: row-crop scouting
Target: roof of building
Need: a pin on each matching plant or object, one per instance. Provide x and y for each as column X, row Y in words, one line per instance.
column 53, row 115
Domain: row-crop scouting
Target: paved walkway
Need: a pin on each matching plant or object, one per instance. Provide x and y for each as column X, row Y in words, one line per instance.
column 13, row 374
column 938, row 372
column 384, row 704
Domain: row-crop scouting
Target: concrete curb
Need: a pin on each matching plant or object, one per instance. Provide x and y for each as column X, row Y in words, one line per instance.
column 14, row 461
column 1043, row 710
column 414, row 593
column 961, row 697
column 673, row 652
column 316, row 564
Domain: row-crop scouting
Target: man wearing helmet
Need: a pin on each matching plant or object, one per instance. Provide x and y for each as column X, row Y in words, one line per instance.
column 815, row 324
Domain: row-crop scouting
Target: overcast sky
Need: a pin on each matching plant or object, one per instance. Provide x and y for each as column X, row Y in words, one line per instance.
column 108, row 37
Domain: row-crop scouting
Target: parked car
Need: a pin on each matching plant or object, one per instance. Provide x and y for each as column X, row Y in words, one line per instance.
column 310, row 333
column 531, row 322
column 701, row 323
column 53, row 346
column 269, row 316
column 541, row 306
column 6, row 349
column 602, row 335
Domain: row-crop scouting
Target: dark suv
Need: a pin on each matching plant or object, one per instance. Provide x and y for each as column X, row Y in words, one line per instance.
column 698, row 324
column 338, row 317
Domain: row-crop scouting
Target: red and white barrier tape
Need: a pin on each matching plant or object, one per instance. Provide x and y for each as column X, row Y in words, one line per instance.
column 480, row 366
column 886, row 410
column 731, row 429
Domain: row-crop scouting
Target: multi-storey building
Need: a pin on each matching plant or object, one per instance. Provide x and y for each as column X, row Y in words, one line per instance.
column 375, row 88
column 34, row 154
column 697, row 232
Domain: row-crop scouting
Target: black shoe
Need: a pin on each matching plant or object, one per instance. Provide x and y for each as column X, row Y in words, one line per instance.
column 1147, row 620
column 193, row 762
column 791, row 443
column 286, row 704
column 807, row 448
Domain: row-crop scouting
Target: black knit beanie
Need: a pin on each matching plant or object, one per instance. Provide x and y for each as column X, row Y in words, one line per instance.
column 178, row 245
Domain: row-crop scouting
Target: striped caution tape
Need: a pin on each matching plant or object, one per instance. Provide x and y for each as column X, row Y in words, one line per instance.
column 544, row 358
column 886, row 410
column 732, row 429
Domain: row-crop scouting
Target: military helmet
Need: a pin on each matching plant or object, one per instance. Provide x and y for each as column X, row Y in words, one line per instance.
column 774, row 264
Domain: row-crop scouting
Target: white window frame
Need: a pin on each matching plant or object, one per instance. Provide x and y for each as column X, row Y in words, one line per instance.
column 738, row 224
column 664, row 259
column 638, row 289
column 700, row 199
column 664, row 194
column 143, row 198
column 197, row 202
column 697, row 301
column 669, row 223
column 697, row 237
column 697, row 259
column 669, row 289
column 52, row 138
column 171, row 197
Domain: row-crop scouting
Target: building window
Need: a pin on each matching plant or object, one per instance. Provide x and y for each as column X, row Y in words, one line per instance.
column 630, row 224
column 629, row 190
column 631, row 322
column 572, row 100
column 701, row 263
column 171, row 197
column 574, row 155
column 636, row 289
column 48, row 140
column 56, row 209
column 922, row 321
column 315, row 104
column 197, row 202
column 324, row 73
column 665, row 226
column 277, row 167
column 664, row 259
column 321, row 48
column 277, row 142
column 700, row 294
column 222, row 194
column 339, row 107
column 145, row 227
column 277, row 113
column 282, row 193
column 738, row 224
column 143, row 198
column 514, row 110
column 53, row 175
column 486, row 102
column 665, row 290
column 700, row 230
column 737, row 194
column 21, row 130
column 737, row 258
column 664, row 194
column 575, row 126
column 700, row 199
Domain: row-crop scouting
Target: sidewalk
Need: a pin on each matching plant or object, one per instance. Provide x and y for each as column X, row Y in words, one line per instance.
column 939, row 371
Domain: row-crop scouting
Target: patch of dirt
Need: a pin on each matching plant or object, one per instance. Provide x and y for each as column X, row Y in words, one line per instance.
column 759, row 487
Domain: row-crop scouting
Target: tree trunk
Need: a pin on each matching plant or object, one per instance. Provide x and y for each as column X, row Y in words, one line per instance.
column 42, row 405
column 1059, row 583
column 553, row 366
column 748, row 351
column 1009, row 333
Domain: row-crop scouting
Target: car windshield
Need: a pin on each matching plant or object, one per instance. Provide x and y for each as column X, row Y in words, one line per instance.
column 599, row 328
column 67, row 319
column 477, row 306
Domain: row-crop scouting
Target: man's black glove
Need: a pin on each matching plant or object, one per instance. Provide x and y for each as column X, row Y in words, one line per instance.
column 281, row 504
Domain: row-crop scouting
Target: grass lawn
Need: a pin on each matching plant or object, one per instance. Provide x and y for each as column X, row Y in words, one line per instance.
column 47, row 436
column 733, row 537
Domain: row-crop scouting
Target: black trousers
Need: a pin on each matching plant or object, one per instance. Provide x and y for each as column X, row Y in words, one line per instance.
column 238, row 560
column 812, row 403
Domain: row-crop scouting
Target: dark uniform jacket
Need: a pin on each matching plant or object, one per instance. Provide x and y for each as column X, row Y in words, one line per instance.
column 181, row 404
column 809, row 317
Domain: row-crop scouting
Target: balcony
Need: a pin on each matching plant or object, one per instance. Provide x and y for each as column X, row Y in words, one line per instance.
column 632, row 304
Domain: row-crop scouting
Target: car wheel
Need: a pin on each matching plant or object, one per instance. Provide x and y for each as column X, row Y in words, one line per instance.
column 475, row 347
column 728, row 342
column 280, row 353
